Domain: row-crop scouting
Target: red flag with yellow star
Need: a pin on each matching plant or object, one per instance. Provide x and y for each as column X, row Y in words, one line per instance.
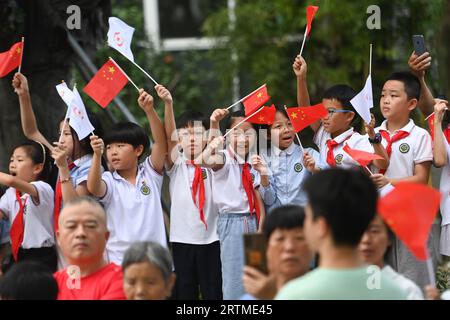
column 265, row 116
column 409, row 210
column 106, row 84
column 255, row 100
column 302, row 117
column 9, row 60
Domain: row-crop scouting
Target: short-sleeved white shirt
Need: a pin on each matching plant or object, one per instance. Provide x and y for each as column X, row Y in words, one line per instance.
column 406, row 153
column 134, row 212
column 228, row 191
column 37, row 217
column 185, row 223
column 353, row 139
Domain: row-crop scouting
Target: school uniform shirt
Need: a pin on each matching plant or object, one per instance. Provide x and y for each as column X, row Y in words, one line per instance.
column 228, row 190
column 287, row 174
column 37, row 217
column 80, row 172
column 185, row 223
column 134, row 212
column 407, row 152
column 350, row 137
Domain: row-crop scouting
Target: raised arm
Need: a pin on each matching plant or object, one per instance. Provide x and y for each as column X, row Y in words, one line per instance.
column 210, row 158
column 159, row 148
column 214, row 123
column 19, row 184
column 169, row 123
column 95, row 185
column 69, row 192
column 440, row 157
column 27, row 117
column 301, row 69
column 418, row 66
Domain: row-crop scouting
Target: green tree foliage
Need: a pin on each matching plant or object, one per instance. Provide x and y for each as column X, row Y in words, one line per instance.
column 267, row 36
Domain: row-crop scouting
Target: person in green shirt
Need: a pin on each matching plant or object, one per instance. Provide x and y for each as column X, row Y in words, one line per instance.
column 341, row 204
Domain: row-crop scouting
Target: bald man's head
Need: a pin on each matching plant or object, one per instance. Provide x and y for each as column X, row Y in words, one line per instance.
column 88, row 204
column 82, row 232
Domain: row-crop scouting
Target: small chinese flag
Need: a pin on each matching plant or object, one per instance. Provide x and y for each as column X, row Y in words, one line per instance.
column 409, row 210
column 255, row 100
column 310, row 13
column 362, row 157
column 302, row 117
column 9, row 60
column 265, row 116
column 106, row 84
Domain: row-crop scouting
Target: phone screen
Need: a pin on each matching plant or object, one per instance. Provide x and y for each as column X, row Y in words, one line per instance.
column 255, row 245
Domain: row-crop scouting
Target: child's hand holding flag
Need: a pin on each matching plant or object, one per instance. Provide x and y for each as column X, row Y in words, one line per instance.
column 145, row 100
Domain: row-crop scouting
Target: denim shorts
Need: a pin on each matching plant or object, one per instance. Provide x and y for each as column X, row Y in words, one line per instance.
column 231, row 228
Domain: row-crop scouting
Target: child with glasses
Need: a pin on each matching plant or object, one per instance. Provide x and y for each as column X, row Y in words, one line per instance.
column 336, row 130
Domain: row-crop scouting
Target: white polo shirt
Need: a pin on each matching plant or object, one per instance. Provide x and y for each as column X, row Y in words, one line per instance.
column 406, row 153
column 185, row 223
column 37, row 217
column 134, row 212
column 228, row 191
column 352, row 138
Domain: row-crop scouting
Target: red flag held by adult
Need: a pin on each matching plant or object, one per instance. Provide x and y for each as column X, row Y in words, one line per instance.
column 255, row 100
column 409, row 210
column 362, row 157
column 302, row 117
column 9, row 60
column 106, row 84
column 310, row 13
column 265, row 116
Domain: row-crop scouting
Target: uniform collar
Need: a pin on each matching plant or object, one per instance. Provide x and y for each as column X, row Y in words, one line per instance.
column 117, row 176
column 235, row 156
column 343, row 136
column 289, row 150
column 407, row 128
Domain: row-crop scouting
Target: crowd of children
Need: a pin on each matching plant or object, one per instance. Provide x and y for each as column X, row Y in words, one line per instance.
column 221, row 189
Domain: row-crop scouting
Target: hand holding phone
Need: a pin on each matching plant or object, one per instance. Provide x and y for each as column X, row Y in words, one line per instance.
column 255, row 245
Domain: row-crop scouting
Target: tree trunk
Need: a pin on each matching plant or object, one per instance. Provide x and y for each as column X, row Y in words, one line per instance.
column 47, row 60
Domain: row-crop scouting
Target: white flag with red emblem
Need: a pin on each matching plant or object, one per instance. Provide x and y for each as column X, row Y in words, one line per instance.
column 76, row 112
column 119, row 37
column 78, row 118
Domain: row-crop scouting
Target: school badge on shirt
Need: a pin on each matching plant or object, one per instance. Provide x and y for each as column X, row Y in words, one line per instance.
column 298, row 167
column 145, row 190
column 404, row 148
column 339, row 158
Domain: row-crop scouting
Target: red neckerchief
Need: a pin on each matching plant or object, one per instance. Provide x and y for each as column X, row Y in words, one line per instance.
column 198, row 186
column 17, row 228
column 247, row 183
column 331, row 144
column 398, row 136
